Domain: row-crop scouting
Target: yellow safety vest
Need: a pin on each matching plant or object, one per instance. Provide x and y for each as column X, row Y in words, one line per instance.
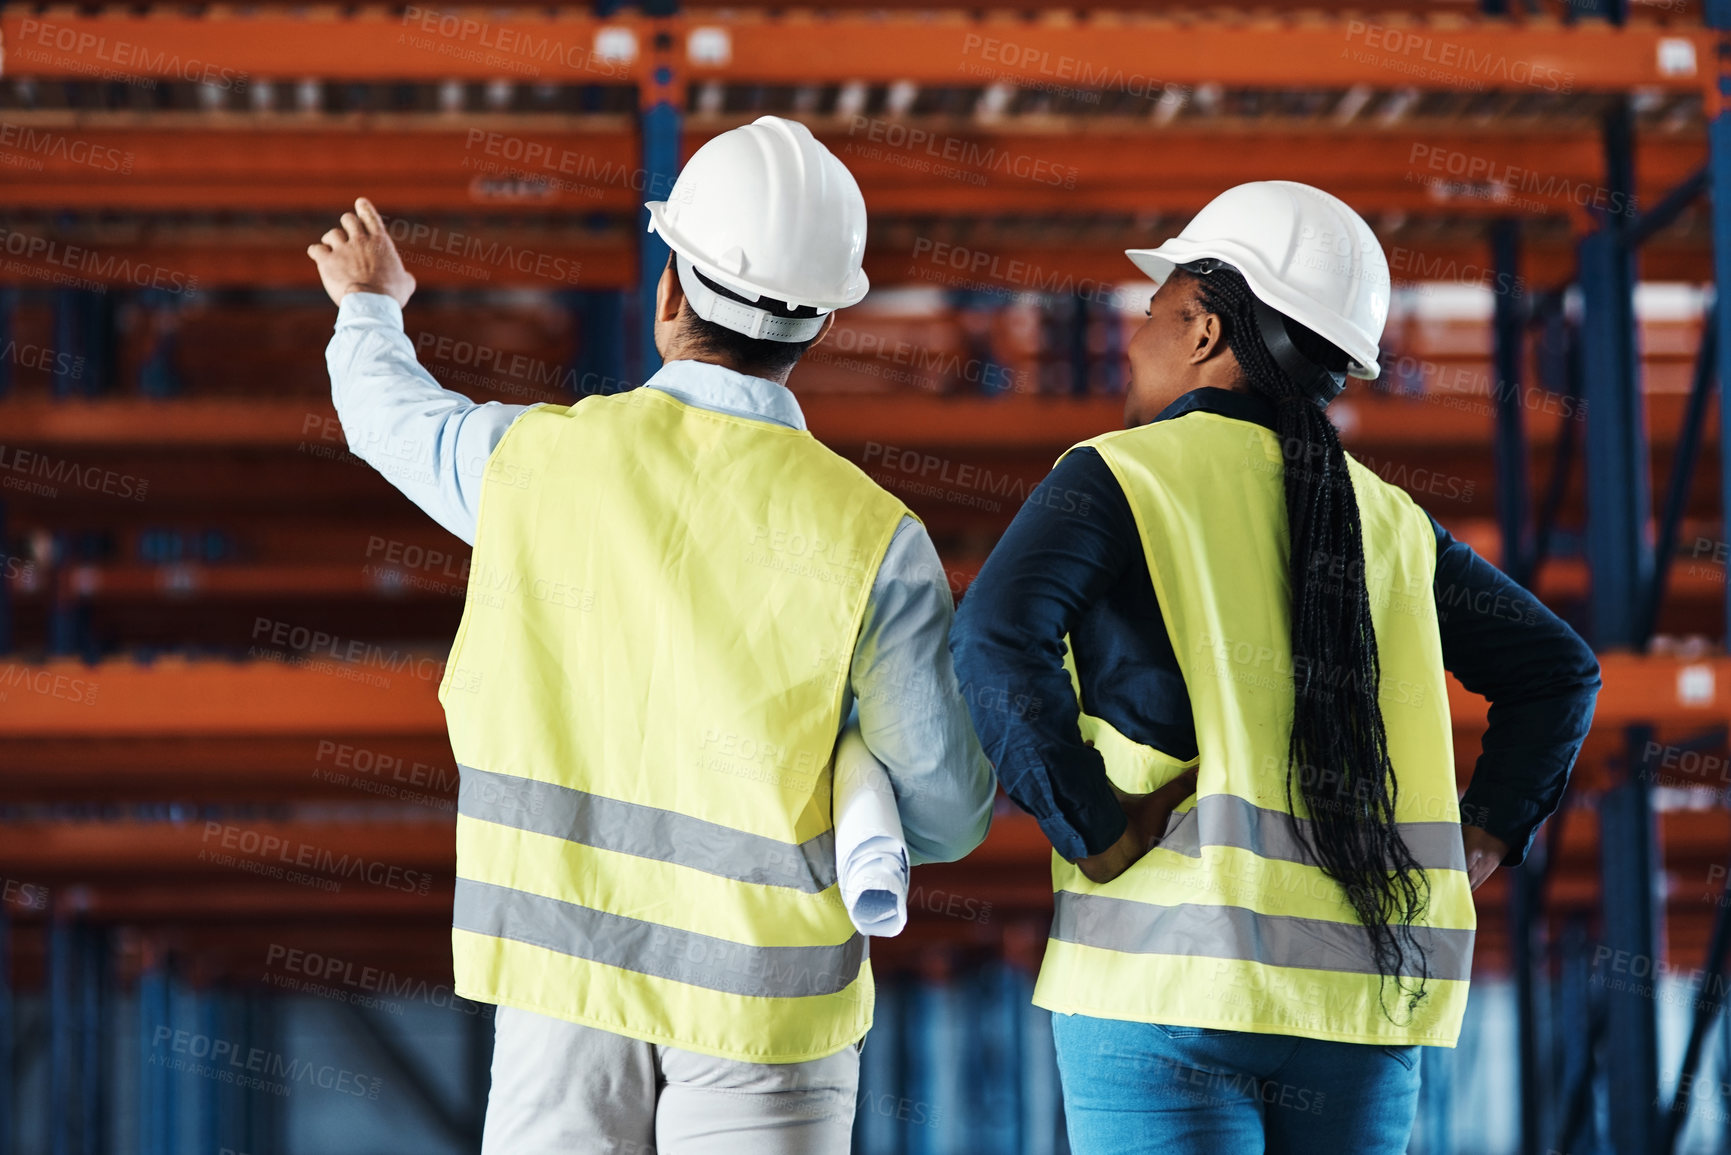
column 1227, row 923
column 643, row 700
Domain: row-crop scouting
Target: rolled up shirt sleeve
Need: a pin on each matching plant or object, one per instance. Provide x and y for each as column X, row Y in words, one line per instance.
column 911, row 713
column 429, row 442
column 1540, row 678
column 1070, row 541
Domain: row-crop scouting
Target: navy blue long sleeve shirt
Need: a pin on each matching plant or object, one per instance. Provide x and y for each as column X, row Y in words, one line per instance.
column 1072, row 564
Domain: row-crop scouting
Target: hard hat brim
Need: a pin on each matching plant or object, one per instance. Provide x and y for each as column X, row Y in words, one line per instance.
column 1158, row 264
column 852, row 294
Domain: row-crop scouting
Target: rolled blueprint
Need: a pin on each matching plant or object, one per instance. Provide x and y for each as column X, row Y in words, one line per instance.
column 870, row 857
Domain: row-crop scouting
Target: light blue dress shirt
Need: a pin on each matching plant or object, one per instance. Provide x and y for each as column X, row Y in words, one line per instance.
column 433, row 445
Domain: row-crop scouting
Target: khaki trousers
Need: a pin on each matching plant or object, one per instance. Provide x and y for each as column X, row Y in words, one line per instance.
column 564, row 1089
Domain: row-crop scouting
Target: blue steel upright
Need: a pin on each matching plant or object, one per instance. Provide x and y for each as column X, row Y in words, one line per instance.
column 1719, row 163
column 1619, row 553
column 661, row 96
column 1509, row 327
column 661, row 123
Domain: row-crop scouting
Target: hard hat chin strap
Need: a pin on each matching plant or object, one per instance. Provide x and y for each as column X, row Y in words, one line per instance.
column 1317, row 381
column 756, row 322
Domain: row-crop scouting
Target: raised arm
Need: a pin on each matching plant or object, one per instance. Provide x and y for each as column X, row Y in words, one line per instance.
column 911, row 713
column 429, row 442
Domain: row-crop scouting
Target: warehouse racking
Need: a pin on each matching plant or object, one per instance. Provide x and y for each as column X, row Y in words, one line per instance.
column 178, row 495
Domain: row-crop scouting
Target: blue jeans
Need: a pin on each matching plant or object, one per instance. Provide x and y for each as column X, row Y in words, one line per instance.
column 1131, row 1088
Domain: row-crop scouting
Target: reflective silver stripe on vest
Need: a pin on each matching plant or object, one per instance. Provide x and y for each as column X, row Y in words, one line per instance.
column 646, row 832
column 1236, row 933
column 652, row 949
column 1228, row 820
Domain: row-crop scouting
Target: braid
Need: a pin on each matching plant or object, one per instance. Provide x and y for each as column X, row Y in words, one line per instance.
column 1338, row 759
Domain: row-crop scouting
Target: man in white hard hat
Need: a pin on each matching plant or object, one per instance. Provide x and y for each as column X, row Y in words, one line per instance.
column 676, row 599
column 1263, row 877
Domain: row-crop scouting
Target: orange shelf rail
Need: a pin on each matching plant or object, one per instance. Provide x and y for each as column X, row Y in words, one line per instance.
column 343, row 687
column 1458, row 422
column 1453, row 52
column 333, row 856
column 1105, row 50
column 232, row 47
column 420, row 164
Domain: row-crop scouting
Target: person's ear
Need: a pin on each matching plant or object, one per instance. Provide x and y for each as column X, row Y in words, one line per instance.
column 828, row 324
column 669, row 295
column 1207, row 336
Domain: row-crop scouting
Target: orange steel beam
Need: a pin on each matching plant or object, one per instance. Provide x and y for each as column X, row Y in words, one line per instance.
column 207, row 423
column 249, row 901
column 414, row 767
column 208, row 854
column 174, row 696
column 357, row 855
column 405, row 164
column 1660, row 690
column 1140, row 54
column 440, row 254
column 916, row 168
column 412, row 165
column 221, row 256
column 231, row 48
column 936, row 253
column 1126, row 51
column 1460, row 422
column 331, row 694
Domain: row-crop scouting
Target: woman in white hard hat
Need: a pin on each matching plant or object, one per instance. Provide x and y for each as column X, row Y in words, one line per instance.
column 1262, row 871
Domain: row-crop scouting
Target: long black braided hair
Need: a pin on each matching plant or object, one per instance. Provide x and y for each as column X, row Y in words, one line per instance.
column 1338, row 761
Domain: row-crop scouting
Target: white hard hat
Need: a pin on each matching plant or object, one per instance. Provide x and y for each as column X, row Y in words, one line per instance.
column 1303, row 252
column 769, row 213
